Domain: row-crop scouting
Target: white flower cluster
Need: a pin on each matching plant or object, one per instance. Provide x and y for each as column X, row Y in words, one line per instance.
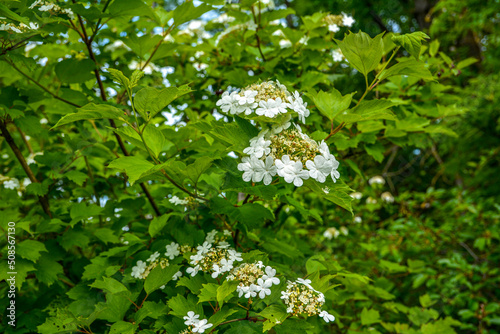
column 334, row 22
column 332, row 232
column 185, row 201
column 142, row 269
column 195, row 324
column 290, row 154
column 47, row 6
column 14, row 184
column 300, row 297
column 255, row 278
column 215, row 260
column 269, row 99
column 20, row 28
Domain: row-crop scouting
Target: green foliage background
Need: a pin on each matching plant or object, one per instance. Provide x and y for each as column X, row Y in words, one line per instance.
column 423, row 114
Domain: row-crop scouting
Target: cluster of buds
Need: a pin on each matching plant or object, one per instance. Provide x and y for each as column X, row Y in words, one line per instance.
column 255, row 279
column 290, row 154
column 269, row 101
column 47, row 6
column 301, row 298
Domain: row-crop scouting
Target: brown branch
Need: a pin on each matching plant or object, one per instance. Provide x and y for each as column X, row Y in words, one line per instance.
column 44, row 201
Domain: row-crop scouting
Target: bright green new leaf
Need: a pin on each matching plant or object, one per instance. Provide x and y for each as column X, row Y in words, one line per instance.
column 332, row 103
column 187, row 12
column 197, row 168
column 30, row 249
column 226, row 289
column 119, row 77
column 410, row 67
column 92, row 111
column 158, row 223
column 411, row 42
column 363, row 52
column 154, row 139
column 369, row 317
column 110, row 285
column 369, row 110
column 150, row 101
column 5, row 11
column 133, row 166
column 208, row 292
column 123, row 327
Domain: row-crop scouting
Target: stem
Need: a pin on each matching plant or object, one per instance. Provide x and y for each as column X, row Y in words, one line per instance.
column 39, row 85
column 257, row 33
column 157, row 46
column 376, row 80
column 44, row 201
column 99, row 22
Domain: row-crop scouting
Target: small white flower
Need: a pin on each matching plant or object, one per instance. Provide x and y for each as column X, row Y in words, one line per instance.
column 138, row 269
column 46, row 7
column 251, row 291
column 299, row 106
column 229, row 103
column 172, row 250
column 291, row 171
column 387, row 197
column 358, row 219
column 234, row 255
column 226, row 265
column 327, row 316
column 283, row 125
column 201, row 326
column 371, row 200
column 259, row 264
column 337, row 55
column 193, row 271
column 203, row 249
column 11, row 184
column 211, row 236
column 177, row 275
column 196, row 258
column 177, row 201
column 269, row 276
column 347, row 20
column 285, row 43
column 263, row 288
column 217, row 270
column 227, row 233
column 258, row 147
column 252, row 169
column 344, row 230
column 376, row 180
column 356, row 195
column 223, row 244
column 319, row 169
column 153, row 257
column 306, row 282
column 191, row 318
column 271, row 107
column 333, row 28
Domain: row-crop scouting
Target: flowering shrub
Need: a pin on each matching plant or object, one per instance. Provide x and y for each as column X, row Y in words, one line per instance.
column 136, row 136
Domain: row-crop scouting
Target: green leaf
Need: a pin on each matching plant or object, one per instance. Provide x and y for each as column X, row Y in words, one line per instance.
column 119, row 77
column 81, row 211
column 410, row 67
column 187, row 12
column 130, row 8
column 76, row 176
column 197, row 168
column 110, row 285
column 466, row 62
column 152, row 310
column 107, row 235
column 369, row 110
column 275, row 314
column 393, row 267
column 150, row 101
column 226, row 289
column 337, row 193
column 159, row 276
column 154, row 139
column 208, row 292
column 369, row 317
column 38, row 189
column 221, row 315
column 181, row 305
column 362, row 52
column 133, row 166
column 47, row 269
column 30, row 249
column 376, row 151
column 411, row 42
column 75, row 71
column 123, row 327
column 5, row 11
column 92, row 111
column 332, row 103
column 158, row 223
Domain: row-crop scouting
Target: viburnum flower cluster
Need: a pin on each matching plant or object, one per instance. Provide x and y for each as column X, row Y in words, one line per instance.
column 290, row 154
column 47, row 6
column 270, row 100
column 214, row 260
column 334, row 22
column 20, row 28
column 301, row 298
column 255, row 279
column 195, row 324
